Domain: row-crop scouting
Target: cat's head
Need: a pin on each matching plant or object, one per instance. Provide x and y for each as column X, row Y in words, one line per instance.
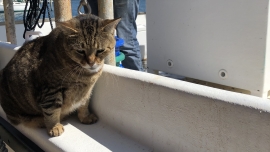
column 88, row 40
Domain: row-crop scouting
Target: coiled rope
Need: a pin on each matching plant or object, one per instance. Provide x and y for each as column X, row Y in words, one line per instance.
column 31, row 17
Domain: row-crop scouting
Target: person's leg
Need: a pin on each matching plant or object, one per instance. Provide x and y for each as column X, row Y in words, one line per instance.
column 127, row 30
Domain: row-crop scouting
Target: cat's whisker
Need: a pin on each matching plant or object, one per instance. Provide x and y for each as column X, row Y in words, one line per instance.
column 70, row 72
column 81, row 70
column 73, row 75
column 53, row 71
column 74, row 72
column 77, row 71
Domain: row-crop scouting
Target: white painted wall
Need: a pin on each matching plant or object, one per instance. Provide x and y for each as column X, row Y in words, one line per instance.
column 144, row 112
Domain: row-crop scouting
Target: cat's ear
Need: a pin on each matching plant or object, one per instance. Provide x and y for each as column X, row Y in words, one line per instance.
column 109, row 25
column 68, row 25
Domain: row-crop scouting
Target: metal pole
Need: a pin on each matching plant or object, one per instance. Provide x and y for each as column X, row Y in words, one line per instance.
column 10, row 22
column 62, row 10
column 105, row 11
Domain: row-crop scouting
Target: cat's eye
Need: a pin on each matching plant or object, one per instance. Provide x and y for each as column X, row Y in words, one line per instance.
column 80, row 52
column 99, row 52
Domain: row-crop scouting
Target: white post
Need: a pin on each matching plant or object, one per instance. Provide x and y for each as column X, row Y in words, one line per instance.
column 10, row 22
column 105, row 11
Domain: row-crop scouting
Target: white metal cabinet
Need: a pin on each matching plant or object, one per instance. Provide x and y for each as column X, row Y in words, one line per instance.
column 219, row 41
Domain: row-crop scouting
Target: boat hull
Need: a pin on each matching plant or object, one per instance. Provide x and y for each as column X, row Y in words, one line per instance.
column 18, row 7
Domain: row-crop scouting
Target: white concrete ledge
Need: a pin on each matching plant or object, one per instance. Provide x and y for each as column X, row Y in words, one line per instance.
column 145, row 112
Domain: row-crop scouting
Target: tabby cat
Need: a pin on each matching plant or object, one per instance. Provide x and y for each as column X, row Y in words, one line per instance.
column 52, row 76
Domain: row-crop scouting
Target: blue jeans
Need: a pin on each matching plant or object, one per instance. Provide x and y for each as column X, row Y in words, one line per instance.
column 127, row 30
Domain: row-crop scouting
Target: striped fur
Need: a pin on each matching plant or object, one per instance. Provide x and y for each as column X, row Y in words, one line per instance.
column 52, row 76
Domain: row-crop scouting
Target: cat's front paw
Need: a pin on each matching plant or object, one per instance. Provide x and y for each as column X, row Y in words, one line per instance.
column 57, row 130
column 89, row 119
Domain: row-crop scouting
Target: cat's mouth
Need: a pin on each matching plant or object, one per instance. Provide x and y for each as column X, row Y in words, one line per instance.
column 93, row 69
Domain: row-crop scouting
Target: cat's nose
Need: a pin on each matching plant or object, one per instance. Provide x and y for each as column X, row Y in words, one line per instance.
column 91, row 64
column 91, row 60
